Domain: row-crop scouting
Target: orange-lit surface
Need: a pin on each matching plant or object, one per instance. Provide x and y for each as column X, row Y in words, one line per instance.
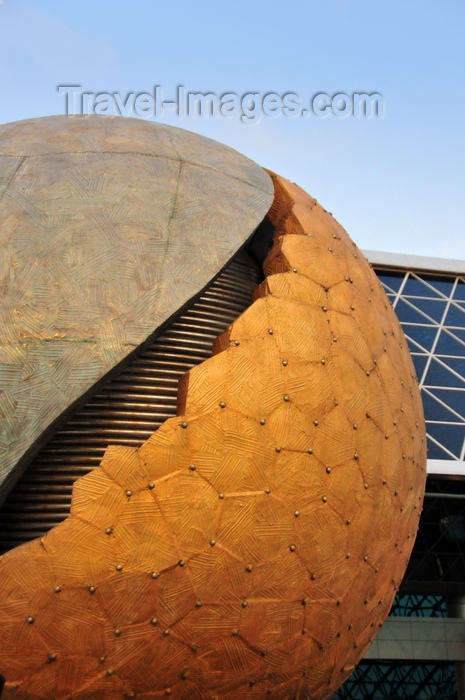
column 253, row 545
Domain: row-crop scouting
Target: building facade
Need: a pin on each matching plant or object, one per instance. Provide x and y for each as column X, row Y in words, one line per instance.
column 420, row 650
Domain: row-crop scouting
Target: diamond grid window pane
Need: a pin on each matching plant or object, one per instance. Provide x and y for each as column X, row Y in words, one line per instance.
column 431, row 310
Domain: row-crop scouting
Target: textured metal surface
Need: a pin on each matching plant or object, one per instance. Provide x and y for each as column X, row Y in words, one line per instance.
column 128, row 410
column 251, row 546
column 107, row 227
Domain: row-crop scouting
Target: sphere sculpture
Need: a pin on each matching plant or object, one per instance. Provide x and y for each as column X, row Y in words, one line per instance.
column 252, row 546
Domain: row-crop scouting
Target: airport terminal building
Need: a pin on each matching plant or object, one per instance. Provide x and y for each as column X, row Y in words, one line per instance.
column 420, row 650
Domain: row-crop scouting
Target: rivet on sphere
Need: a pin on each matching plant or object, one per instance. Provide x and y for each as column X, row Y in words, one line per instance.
column 117, row 632
column 285, row 363
column 324, row 499
column 194, row 648
column 57, row 589
column 91, row 589
column 119, row 567
column 108, row 530
column 278, row 449
column 166, row 633
column 102, row 660
column 263, row 652
column 52, row 657
column 310, row 451
column 325, row 308
column 192, row 467
column 348, row 555
column 262, row 421
column 151, row 485
column 355, row 426
column 221, row 496
column 313, row 577
column 110, row 672
column 270, row 331
column 292, row 547
column 267, row 491
column 30, row 620
column 184, row 424
column 222, row 404
column 297, row 513
column 328, row 470
column 155, row 574
column 365, row 485
column 304, row 601
column 248, row 568
column 365, row 558
column 181, row 562
column 323, row 361
column 198, row 604
column 244, row 603
column 368, row 414
column 348, row 522
column 367, row 373
column 128, row 493
column 286, row 397
column 316, row 423
column 212, row 543
column 235, row 633
column 356, row 455
column 154, row 621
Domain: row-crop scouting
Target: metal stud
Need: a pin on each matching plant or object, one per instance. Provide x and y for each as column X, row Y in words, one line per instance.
column 129, row 493
column 278, row 449
column 91, row 589
column 212, row 543
column 285, row 363
column 198, row 604
column 292, row 547
column 328, row 470
column 324, row 499
column 184, row 424
column 221, row 496
column 117, row 632
column 244, row 603
column 286, row 397
column 30, row 620
column 192, row 467
column 248, row 568
column 108, row 530
column 325, row 308
column 267, row 491
column 119, row 567
column 348, row 522
column 235, row 633
column 181, row 562
column 270, row 331
column 356, row 455
column 316, row 423
column 355, row 426
column 151, row 485
column 297, row 513
column 166, row 632
column 52, row 658
column 237, row 342
column 262, row 421
column 57, row 589
column 323, row 361
column 222, row 404
column 154, row 621
column 155, row 574
column 102, row 660
column 110, row 672
column 313, row 577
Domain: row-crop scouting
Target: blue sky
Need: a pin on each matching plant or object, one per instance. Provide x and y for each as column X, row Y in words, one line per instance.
column 395, row 183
